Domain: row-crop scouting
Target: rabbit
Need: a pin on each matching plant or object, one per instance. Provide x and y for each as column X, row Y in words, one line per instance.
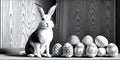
column 39, row 41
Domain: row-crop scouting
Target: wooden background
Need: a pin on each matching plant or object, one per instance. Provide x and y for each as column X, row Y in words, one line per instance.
column 19, row 18
column 86, row 17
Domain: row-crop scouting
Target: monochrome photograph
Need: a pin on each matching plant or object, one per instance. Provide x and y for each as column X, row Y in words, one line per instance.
column 60, row 29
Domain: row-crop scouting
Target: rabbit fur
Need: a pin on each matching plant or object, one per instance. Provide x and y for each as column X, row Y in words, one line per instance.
column 39, row 41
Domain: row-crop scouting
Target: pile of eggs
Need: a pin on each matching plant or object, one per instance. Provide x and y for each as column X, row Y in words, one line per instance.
column 87, row 47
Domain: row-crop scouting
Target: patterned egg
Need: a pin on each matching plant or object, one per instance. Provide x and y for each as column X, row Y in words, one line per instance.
column 101, row 41
column 67, row 50
column 79, row 49
column 91, row 50
column 101, row 51
column 87, row 40
column 112, row 50
column 73, row 39
column 57, row 49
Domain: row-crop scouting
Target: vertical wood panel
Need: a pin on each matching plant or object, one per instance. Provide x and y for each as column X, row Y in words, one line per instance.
column 20, row 19
column 77, row 20
column 93, row 17
column 109, row 10
column 1, row 24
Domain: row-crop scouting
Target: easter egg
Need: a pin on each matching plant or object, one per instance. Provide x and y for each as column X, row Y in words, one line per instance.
column 112, row 50
column 67, row 50
column 73, row 39
column 101, row 51
column 79, row 49
column 57, row 49
column 87, row 40
column 91, row 50
column 101, row 41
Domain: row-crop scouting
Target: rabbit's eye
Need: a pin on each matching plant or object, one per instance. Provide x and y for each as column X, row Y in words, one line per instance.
column 42, row 19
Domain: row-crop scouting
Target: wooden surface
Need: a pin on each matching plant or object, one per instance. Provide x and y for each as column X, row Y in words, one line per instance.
column 6, row 57
column 9, row 53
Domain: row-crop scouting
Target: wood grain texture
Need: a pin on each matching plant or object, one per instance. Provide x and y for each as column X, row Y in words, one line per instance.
column 1, row 24
column 20, row 19
column 79, row 17
column 92, row 18
column 76, row 20
column 87, row 17
column 109, row 20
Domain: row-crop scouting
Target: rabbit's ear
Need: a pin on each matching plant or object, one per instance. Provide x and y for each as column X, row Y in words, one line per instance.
column 52, row 10
column 40, row 9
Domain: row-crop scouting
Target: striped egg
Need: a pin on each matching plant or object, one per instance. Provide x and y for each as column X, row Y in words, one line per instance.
column 57, row 49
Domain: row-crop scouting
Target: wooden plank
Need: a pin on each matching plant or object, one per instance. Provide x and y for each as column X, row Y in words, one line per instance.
column 87, row 17
column 20, row 19
column 108, row 21
column 1, row 24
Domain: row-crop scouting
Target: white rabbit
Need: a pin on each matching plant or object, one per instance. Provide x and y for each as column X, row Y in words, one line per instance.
column 40, row 39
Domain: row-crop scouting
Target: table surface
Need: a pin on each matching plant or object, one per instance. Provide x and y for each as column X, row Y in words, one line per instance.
column 12, row 54
column 3, row 56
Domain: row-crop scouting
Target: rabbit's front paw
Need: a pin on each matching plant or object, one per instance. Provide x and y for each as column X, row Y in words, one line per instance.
column 39, row 56
column 48, row 55
column 31, row 55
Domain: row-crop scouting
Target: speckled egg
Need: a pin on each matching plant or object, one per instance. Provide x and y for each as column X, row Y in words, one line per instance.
column 87, row 40
column 91, row 50
column 67, row 50
column 101, row 41
column 57, row 49
column 101, row 51
column 79, row 49
column 112, row 50
column 73, row 39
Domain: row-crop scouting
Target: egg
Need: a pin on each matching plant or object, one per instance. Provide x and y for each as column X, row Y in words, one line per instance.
column 101, row 41
column 57, row 49
column 73, row 39
column 67, row 50
column 112, row 50
column 79, row 49
column 87, row 40
column 91, row 50
column 101, row 51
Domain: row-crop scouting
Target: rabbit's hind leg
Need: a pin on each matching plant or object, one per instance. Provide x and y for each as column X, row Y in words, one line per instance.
column 29, row 50
column 30, row 55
